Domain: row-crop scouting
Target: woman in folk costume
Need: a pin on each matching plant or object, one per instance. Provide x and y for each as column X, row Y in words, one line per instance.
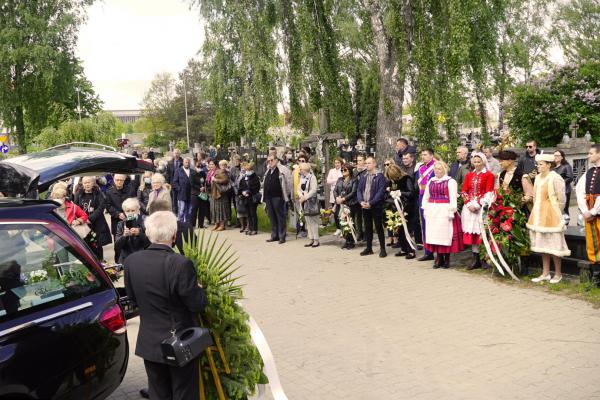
column 444, row 232
column 479, row 184
column 546, row 223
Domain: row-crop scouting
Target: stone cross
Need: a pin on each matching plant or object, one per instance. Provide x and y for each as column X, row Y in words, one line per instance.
column 574, row 126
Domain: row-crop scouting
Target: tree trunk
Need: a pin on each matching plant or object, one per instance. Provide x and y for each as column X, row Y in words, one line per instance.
column 502, row 94
column 482, row 115
column 20, row 129
column 391, row 86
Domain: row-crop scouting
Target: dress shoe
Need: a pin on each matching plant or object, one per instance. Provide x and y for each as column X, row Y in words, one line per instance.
column 253, row 233
column 382, row 253
column 316, row 244
column 366, row 252
column 281, row 241
column 410, row 256
column 426, row 257
column 400, row 254
column 309, row 244
column 350, row 246
column 272, row 240
column 144, row 393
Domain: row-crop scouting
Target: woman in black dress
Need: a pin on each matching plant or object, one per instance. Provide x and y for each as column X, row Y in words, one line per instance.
column 91, row 200
column 200, row 200
column 345, row 194
column 564, row 169
column 249, row 195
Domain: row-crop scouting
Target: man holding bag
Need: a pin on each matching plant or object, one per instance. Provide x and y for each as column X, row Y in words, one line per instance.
column 164, row 286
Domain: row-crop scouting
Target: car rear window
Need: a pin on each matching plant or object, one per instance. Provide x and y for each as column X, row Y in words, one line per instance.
column 38, row 269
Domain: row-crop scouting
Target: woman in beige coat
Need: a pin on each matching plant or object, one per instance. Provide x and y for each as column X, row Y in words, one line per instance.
column 160, row 191
column 307, row 193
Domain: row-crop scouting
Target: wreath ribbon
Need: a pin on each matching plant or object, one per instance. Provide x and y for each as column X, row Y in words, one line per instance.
column 396, row 196
column 345, row 212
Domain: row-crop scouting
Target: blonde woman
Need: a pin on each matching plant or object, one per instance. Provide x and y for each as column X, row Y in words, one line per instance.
column 546, row 223
column 307, row 196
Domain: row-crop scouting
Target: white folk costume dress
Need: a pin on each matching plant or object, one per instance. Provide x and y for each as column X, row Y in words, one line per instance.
column 477, row 186
column 444, row 233
column 546, row 223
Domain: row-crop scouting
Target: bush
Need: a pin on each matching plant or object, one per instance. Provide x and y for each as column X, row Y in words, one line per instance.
column 544, row 109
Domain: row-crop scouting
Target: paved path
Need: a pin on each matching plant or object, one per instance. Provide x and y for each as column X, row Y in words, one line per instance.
column 347, row 327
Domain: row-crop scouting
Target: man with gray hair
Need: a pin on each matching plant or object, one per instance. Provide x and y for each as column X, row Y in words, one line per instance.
column 164, row 286
column 460, row 168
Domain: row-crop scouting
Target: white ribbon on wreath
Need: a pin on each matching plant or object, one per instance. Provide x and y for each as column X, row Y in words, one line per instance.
column 396, row 195
column 347, row 217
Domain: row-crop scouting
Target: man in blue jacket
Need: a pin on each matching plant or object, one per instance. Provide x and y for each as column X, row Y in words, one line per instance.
column 371, row 190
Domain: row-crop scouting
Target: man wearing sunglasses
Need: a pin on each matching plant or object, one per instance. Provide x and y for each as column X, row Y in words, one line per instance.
column 527, row 160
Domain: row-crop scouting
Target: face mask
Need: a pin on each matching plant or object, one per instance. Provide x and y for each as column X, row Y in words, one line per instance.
column 60, row 201
column 147, row 181
column 131, row 216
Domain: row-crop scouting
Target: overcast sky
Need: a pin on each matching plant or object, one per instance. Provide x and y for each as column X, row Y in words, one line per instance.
column 124, row 43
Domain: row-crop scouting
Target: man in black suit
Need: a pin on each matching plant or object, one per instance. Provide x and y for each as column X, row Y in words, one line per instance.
column 164, row 286
column 115, row 196
column 172, row 167
column 182, row 185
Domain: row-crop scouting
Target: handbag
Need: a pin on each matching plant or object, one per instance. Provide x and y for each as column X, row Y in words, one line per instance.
column 82, row 230
column 311, row 206
column 203, row 196
column 182, row 347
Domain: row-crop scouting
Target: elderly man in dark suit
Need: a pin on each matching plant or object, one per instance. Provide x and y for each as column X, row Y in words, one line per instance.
column 164, row 286
column 182, row 185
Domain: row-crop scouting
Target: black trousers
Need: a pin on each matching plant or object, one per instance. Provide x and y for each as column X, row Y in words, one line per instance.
column 374, row 216
column 172, row 383
column 252, row 216
column 200, row 211
column 276, row 210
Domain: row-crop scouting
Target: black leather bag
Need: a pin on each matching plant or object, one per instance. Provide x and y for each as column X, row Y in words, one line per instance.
column 183, row 346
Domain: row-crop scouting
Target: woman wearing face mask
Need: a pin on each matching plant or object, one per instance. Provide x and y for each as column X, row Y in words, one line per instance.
column 160, row 191
column 546, row 223
column 144, row 191
column 91, row 200
column 249, row 193
column 199, row 193
column 478, row 184
column 444, row 232
column 307, row 198
column 130, row 232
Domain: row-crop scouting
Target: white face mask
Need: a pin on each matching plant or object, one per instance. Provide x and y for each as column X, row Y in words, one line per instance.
column 147, row 181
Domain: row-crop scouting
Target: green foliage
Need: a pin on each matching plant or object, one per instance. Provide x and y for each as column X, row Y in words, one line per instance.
column 182, row 146
column 216, row 266
column 155, row 140
column 101, row 128
column 544, row 109
column 39, row 73
column 577, row 29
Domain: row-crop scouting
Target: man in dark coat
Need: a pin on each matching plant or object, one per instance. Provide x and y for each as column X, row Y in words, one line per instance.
column 527, row 162
column 371, row 190
column 115, row 197
column 402, row 148
column 165, row 288
column 172, row 167
column 185, row 231
column 182, row 185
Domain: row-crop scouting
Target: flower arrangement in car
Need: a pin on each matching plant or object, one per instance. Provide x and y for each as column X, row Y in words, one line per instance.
column 507, row 222
column 38, row 275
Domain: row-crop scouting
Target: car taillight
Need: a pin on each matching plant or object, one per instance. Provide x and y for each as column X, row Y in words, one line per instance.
column 113, row 319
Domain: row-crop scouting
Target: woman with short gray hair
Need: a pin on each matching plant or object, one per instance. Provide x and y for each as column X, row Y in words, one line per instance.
column 131, row 236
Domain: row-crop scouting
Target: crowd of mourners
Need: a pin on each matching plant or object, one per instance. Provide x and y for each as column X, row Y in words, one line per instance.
column 440, row 205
